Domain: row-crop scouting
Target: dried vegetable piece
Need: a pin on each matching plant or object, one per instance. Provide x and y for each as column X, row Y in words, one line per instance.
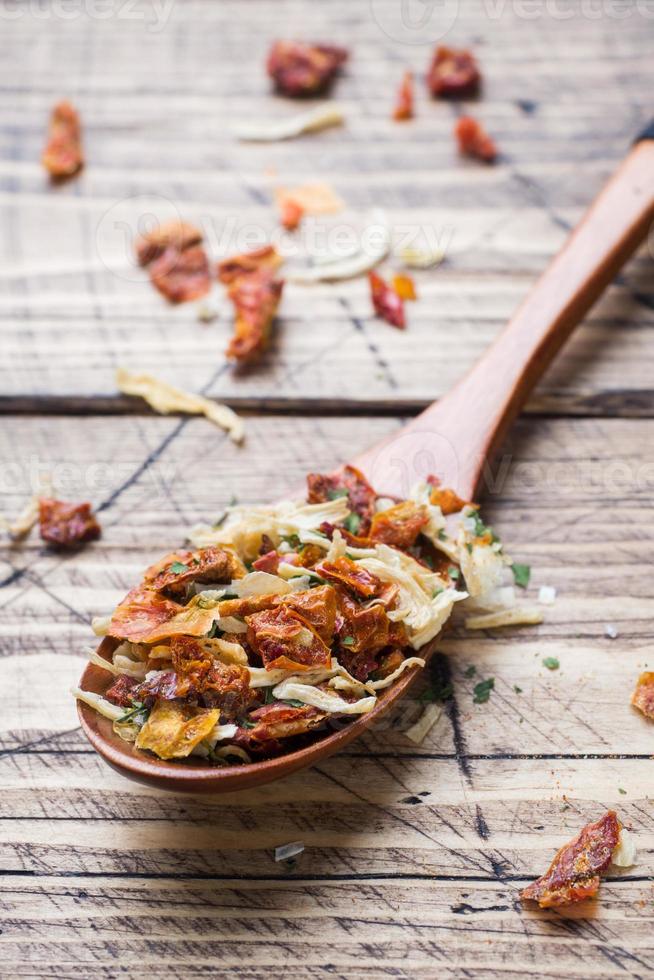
column 314, row 198
column 282, row 639
column 473, row 140
column 175, row 572
column 348, row 573
column 448, row 501
column 164, row 398
column 574, row 874
column 176, row 261
column 399, row 525
column 643, row 696
column 62, row 156
column 299, row 70
column 284, row 129
column 348, row 482
column 453, row 74
column 255, row 294
column 66, row 525
column 291, row 213
column 404, row 101
column 173, row 729
column 405, row 287
column 386, row 303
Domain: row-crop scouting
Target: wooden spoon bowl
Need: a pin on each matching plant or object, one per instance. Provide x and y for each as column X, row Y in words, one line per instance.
column 454, row 438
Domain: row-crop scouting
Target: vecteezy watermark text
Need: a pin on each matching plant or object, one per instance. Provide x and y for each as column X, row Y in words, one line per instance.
column 154, row 14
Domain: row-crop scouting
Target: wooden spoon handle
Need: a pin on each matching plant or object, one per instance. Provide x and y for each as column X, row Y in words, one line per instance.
column 455, row 437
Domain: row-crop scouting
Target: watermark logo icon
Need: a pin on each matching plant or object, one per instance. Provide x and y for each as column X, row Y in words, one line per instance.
column 415, row 21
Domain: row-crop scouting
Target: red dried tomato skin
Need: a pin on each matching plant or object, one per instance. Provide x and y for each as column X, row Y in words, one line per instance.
column 361, row 497
column 453, row 74
column 386, row 303
column 255, row 294
column 283, row 639
column 345, row 572
column 122, row 691
column 574, row 873
column 181, row 276
column 300, row 70
column 62, row 156
column 66, row 525
column 404, row 101
column 643, row 696
column 400, row 525
column 473, row 140
column 291, row 214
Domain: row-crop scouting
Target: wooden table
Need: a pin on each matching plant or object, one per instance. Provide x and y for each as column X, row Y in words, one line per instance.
column 414, row 855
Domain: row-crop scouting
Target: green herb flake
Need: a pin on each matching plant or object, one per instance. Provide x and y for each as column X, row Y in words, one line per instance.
column 469, row 547
column 521, row 575
column 437, row 692
column 551, row 663
column 336, row 493
column 621, row 790
column 178, row 567
column 352, row 523
column 470, row 671
column 453, row 572
column 348, row 641
column 137, row 707
column 248, row 724
column 518, row 690
column 442, row 536
column 294, row 703
column 482, row 690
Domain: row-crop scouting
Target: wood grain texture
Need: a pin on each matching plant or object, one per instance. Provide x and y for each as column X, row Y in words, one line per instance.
column 414, row 854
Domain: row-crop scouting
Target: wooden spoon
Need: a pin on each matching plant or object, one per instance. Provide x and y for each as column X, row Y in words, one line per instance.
column 454, row 438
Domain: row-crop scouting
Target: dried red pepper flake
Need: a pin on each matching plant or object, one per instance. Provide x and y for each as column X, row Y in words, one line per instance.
column 386, row 303
column 643, row 696
column 65, row 525
column 405, row 287
column 574, row 874
column 255, row 294
column 404, row 101
column 62, row 156
column 298, row 69
column 473, row 139
column 453, row 74
column 291, row 213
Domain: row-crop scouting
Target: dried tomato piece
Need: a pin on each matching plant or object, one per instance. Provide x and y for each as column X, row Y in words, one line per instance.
column 282, row 639
column 176, row 261
column 164, row 686
column 248, row 605
column 65, row 525
column 215, row 684
column 255, row 294
column 363, row 632
column 182, row 568
column 404, row 101
column 574, row 873
column 388, row 663
column 300, row 70
column 386, row 303
column 346, row 572
column 473, row 139
column 140, row 613
column 291, row 213
column 279, row 720
column 62, row 156
column 348, row 482
column 268, row 562
column 317, row 608
column 643, row 696
column 122, row 691
column 400, row 525
column 176, row 234
column 448, row 501
column 453, row 74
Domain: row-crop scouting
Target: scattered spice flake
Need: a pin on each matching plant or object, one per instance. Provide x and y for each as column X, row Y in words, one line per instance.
column 453, row 74
column 65, row 525
column 386, row 303
column 404, row 102
column 299, row 70
column 622, row 791
column 418, row 731
column 521, row 574
column 317, row 119
column 287, row 851
column 470, row 671
column 482, row 690
column 62, row 156
column 291, row 213
column 643, row 696
column 552, row 663
column 405, row 288
column 473, row 140
column 164, row 398
column 421, row 258
column 176, row 261
column 315, row 198
column 574, row 874
column 255, row 294
column 518, row 690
